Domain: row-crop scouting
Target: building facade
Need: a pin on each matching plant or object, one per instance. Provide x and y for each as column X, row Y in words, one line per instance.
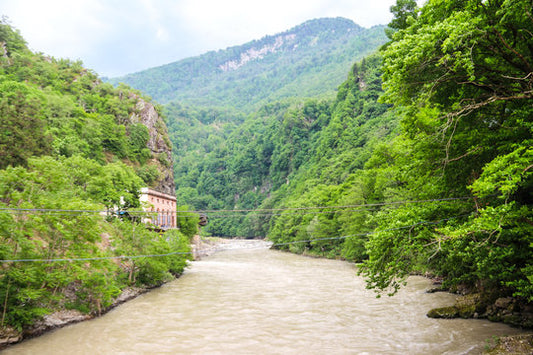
column 162, row 205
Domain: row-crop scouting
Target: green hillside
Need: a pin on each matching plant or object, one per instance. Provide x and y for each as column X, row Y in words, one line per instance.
column 311, row 59
column 234, row 162
column 73, row 158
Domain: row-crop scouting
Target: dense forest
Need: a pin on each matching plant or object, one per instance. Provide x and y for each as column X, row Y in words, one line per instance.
column 422, row 163
column 73, row 158
column 231, row 162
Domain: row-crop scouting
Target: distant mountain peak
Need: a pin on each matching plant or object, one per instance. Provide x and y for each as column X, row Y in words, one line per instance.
column 332, row 22
column 310, row 59
column 306, row 34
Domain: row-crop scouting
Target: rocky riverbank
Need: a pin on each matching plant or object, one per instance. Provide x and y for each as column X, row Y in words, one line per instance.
column 518, row 344
column 60, row 319
column 507, row 310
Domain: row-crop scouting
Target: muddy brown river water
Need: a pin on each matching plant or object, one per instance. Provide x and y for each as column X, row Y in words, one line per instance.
column 251, row 300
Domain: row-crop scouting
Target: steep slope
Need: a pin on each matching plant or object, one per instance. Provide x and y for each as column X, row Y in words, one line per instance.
column 311, row 59
column 159, row 145
column 288, row 152
column 74, row 153
column 56, row 107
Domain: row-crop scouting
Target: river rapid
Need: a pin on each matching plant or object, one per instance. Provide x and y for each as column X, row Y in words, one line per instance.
column 252, row 300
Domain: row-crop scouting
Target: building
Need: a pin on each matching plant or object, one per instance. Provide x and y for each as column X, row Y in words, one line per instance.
column 162, row 205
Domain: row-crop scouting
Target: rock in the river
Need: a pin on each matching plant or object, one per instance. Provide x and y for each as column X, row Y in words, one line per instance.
column 508, row 310
column 464, row 307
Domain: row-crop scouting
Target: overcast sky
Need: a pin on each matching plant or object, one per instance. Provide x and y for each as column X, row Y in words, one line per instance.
column 116, row 37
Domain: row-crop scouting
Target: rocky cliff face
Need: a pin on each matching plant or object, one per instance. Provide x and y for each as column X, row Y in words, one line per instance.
column 159, row 144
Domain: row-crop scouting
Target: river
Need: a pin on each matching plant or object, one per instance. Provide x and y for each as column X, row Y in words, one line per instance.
column 259, row 301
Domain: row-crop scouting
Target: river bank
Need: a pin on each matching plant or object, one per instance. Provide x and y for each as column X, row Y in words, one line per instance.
column 200, row 247
column 508, row 310
column 62, row 318
column 502, row 310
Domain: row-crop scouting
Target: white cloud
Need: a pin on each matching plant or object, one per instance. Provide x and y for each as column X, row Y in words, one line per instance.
column 62, row 25
column 116, row 37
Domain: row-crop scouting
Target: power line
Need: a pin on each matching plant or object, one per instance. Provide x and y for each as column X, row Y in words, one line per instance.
column 340, row 208
column 370, row 233
column 50, row 260
column 287, row 213
column 364, row 205
column 51, row 210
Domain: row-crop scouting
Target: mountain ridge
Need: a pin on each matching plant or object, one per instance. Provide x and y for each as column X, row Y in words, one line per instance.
column 310, row 59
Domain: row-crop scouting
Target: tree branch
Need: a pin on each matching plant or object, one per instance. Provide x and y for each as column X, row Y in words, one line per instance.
column 462, row 156
column 469, row 108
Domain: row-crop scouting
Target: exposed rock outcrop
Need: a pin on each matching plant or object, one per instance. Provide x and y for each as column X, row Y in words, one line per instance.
column 258, row 53
column 55, row 320
column 159, row 144
column 505, row 309
column 9, row 336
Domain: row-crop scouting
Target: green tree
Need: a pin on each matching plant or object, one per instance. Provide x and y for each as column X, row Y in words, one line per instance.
column 187, row 221
column 22, row 124
column 138, row 136
column 460, row 77
column 405, row 12
column 60, row 127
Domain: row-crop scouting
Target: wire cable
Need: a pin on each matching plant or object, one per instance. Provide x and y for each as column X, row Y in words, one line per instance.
column 336, row 208
column 50, row 260
column 95, row 258
column 370, row 233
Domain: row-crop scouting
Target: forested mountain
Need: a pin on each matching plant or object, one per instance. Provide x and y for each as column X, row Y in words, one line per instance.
column 421, row 162
column 432, row 175
column 74, row 152
column 235, row 162
column 311, row 59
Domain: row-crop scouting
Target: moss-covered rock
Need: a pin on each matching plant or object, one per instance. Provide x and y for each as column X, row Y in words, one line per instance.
column 444, row 312
column 454, row 311
column 464, row 307
column 508, row 310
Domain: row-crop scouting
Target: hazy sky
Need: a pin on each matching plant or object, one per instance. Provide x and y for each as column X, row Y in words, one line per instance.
column 116, row 37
